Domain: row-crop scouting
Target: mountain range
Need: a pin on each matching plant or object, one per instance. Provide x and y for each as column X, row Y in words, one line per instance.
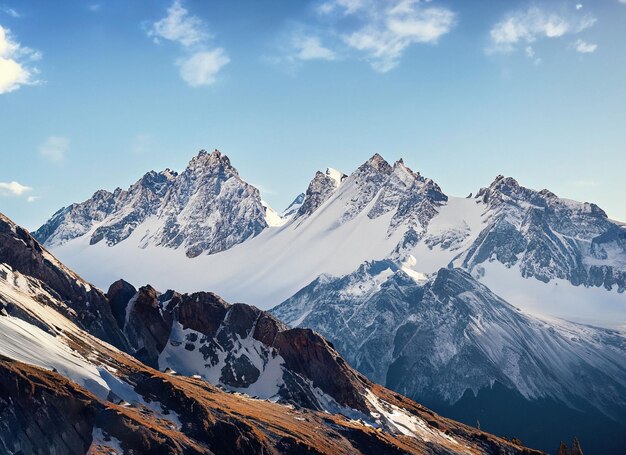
column 513, row 299
column 77, row 376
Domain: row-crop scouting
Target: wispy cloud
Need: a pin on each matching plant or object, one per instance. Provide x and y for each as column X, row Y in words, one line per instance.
column 54, row 148
column 12, row 12
column 200, row 64
column 311, row 48
column 584, row 47
column 521, row 27
column 13, row 189
column 377, row 31
column 32, row 198
column 16, row 63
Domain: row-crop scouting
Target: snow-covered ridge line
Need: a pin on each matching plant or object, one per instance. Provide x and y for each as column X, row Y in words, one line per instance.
column 379, row 211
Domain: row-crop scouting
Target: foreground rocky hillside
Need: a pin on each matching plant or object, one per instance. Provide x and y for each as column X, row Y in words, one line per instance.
column 63, row 390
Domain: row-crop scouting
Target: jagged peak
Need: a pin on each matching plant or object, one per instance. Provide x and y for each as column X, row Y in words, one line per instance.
column 336, row 175
column 405, row 173
column 377, row 162
column 211, row 160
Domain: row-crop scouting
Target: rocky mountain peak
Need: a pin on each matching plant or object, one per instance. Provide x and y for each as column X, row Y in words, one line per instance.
column 379, row 163
column 206, row 208
column 295, row 205
column 214, row 162
column 319, row 190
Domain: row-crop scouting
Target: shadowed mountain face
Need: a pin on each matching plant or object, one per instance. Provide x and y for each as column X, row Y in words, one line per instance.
column 63, row 390
column 453, row 344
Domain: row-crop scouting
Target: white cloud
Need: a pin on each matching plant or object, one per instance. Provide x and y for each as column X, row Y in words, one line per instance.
column 310, row 48
column 381, row 31
column 54, row 148
column 32, row 198
column 15, row 63
column 201, row 68
column 179, row 26
column 579, row 6
column 529, row 25
column 13, row 189
column 200, row 64
column 584, row 47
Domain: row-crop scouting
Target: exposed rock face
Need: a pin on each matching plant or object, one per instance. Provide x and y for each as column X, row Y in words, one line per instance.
column 119, row 294
column 549, row 237
column 380, row 188
column 309, row 355
column 413, row 198
column 320, row 189
column 37, row 415
column 238, row 347
column 77, row 219
column 133, row 207
column 207, row 208
column 83, row 304
column 147, row 326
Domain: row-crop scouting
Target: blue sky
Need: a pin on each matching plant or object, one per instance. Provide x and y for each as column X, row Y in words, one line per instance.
column 95, row 93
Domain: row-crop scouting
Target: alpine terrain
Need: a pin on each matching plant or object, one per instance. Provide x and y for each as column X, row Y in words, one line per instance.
column 81, row 371
column 507, row 307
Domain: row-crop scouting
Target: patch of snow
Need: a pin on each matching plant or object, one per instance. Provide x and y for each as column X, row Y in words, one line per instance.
column 108, row 444
column 557, row 299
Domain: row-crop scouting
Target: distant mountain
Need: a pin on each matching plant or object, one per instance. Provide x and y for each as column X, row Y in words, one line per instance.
column 548, row 237
column 206, row 208
column 63, row 390
column 446, row 339
column 574, row 255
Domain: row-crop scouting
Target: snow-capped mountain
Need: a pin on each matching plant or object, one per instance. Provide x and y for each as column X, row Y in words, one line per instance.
column 548, row 237
column 552, row 258
column 545, row 254
column 293, row 207
column 449, row 337
column 205, row 208
column 63, row 390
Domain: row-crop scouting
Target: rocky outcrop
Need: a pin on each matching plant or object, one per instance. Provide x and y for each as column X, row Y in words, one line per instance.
column 83, row 304
column 241, row 344
column 320, row 189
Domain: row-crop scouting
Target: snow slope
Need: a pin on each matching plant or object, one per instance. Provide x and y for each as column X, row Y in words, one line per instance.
column 524, row 243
